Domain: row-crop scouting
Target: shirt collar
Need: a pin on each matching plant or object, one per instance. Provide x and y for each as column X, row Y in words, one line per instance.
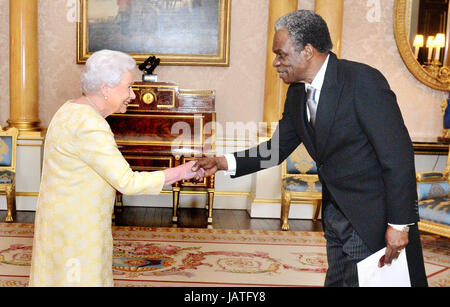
column 320, row 76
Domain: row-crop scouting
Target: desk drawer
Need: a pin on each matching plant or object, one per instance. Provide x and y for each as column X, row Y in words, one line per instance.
column 146, row 163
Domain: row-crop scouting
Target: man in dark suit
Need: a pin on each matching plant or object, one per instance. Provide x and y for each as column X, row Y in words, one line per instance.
column 349, row 121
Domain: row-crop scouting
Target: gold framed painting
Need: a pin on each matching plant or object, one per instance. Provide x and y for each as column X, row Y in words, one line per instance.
column 178, row 32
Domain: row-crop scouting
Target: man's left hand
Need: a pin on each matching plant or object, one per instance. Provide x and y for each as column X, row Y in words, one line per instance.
column 396, row 241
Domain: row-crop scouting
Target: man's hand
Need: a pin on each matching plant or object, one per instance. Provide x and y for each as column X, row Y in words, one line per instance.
column 210, row 166
column 396, row 240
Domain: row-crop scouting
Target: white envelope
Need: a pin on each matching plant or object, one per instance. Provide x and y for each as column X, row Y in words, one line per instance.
column 394, row 275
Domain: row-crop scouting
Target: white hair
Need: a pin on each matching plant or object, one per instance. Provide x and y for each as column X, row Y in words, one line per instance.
column 105, row 67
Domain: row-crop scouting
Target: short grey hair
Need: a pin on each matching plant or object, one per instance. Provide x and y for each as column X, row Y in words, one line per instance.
column 105, row 67
column 306, row 27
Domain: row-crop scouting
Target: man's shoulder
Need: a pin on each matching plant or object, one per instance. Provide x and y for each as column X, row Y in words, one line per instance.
column 361, row 73
column 350, row 66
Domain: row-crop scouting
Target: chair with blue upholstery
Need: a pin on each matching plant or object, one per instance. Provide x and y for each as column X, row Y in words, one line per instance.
column 300, row 184
column 433, row 191
column 8, row 146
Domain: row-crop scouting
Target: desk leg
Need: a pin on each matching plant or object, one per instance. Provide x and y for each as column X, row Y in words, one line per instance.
column 119, row 203
column 118, row 207
column 176, row 198
column 210, row 206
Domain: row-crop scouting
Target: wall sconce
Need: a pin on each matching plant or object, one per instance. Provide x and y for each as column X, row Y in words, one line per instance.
column 433, row 66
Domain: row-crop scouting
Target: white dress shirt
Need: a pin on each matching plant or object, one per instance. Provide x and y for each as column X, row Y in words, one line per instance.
column 317, row 83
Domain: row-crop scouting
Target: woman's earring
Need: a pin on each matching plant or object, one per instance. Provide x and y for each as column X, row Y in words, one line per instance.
column 106, row 97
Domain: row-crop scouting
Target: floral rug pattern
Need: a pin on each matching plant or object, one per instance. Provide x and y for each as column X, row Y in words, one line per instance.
column 207, row 257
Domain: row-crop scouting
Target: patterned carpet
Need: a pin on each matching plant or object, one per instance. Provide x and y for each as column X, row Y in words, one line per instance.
column 209, row 257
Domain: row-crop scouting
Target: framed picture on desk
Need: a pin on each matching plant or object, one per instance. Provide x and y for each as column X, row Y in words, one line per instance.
column 178, row 32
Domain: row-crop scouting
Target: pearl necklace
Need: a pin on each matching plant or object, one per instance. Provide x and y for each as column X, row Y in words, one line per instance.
column 93, row 104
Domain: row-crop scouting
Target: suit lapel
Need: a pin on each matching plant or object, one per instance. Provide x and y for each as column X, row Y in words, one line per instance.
column 328, row 103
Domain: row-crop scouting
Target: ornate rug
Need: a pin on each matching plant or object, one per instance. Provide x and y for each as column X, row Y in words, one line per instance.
column 209, row 257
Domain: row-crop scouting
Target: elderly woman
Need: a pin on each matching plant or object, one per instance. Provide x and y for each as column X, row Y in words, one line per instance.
column 82, row 169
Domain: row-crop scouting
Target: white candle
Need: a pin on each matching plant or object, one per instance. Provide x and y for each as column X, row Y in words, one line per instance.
column 416, row 52
column 439, row 42
column 437, row 55
column 430, row 45
column 418, row 42
column 430, row 52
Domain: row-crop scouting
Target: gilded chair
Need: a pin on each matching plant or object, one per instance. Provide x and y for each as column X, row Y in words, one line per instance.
column 433, row 190
column 445, row 137
column 8, row 146
column 300, row 184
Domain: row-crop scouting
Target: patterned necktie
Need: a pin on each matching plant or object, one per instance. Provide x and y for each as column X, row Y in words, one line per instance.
column 312, row 104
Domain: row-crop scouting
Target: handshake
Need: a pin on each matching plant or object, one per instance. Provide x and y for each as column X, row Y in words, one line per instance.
column 196, row 170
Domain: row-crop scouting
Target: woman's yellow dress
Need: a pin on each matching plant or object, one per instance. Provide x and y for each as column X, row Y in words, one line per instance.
column 82, row 169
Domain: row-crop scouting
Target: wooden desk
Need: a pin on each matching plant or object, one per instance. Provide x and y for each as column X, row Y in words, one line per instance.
column 165, row 127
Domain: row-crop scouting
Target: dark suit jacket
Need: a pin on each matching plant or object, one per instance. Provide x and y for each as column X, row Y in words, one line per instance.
column 362, row 148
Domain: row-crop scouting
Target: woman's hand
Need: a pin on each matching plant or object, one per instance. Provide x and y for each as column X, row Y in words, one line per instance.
column 182, row 172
